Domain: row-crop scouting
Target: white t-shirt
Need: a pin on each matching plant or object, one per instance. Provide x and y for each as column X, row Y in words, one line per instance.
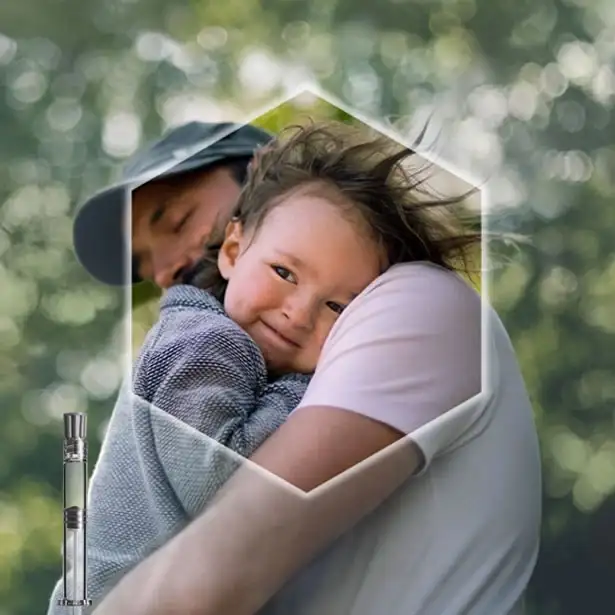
column 461, row 537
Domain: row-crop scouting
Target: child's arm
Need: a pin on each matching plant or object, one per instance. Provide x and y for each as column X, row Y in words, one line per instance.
column 203, row 369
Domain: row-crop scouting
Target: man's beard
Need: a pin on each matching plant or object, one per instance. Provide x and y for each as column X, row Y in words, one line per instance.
column 191, row 274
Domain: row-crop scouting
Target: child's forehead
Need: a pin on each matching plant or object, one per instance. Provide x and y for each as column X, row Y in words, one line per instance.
column 307, row 225
column 304, row 211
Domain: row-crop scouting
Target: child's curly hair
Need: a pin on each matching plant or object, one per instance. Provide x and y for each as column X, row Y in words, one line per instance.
column 366, row 177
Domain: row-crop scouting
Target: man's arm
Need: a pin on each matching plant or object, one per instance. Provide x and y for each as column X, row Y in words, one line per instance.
column 216, row 566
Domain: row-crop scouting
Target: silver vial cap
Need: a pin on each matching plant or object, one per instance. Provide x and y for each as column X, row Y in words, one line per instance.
column 74, row 425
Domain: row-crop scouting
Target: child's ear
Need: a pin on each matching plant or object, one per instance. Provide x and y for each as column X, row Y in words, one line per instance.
column 230, row 249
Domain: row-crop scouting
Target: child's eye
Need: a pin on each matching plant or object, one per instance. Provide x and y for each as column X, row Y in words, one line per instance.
column 284, row 273
column 336, row 307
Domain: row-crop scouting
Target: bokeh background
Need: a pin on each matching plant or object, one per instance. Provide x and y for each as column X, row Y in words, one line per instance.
column 524, row 92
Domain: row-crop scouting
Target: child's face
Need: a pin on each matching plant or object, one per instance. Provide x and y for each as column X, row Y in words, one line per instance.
column 289, row 281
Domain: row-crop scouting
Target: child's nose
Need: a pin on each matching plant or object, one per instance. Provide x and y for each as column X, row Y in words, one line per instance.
column 301, row 313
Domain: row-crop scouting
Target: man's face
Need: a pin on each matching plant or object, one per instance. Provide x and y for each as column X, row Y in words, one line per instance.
column 171, row 222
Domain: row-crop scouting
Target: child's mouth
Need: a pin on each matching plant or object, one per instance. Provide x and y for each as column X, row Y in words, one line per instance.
column 280, row 336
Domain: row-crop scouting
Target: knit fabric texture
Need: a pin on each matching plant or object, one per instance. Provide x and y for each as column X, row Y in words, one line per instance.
column 200, row 402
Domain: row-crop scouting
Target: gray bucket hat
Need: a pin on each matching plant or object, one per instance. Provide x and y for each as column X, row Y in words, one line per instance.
column 99, row 235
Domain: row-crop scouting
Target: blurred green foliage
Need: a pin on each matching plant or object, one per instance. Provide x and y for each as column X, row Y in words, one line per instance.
column 524, row 93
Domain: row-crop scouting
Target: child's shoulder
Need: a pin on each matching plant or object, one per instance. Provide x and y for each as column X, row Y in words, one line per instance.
column 192, row 320
column 190, row 299
column 192, row 335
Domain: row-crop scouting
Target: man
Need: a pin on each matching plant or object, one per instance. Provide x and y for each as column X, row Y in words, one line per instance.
column 183, row 185
column 461, row 537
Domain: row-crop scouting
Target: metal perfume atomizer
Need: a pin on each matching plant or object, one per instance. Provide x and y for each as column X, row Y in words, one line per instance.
column 75, row 494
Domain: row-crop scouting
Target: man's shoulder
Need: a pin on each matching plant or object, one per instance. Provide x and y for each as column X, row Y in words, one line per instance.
column 419, row 275
column 416, row 291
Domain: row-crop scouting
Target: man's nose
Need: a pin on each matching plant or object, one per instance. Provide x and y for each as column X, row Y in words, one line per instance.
column 168, row 272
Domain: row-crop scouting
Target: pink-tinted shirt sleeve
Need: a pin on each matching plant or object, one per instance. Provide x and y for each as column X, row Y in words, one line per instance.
column 404, row 352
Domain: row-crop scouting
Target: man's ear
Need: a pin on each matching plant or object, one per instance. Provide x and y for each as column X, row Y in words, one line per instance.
column 230, row 249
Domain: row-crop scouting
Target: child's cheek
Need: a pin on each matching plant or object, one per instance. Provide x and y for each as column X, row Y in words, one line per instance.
column 233, row 302
column 260, row 291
